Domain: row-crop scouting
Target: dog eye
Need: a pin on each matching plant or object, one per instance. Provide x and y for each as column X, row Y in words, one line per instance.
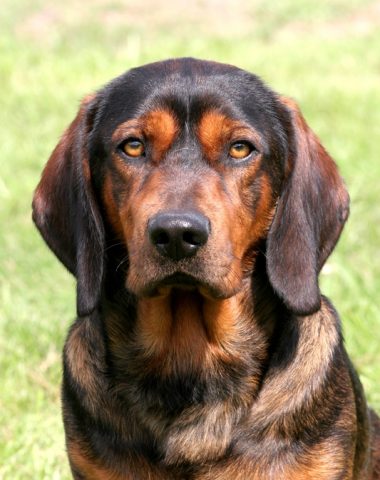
column 240, row 150
column 133, row 147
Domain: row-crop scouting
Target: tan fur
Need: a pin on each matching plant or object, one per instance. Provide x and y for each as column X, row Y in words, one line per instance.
column 159, row 127
column 113, row 214
column 94, row 470
column 323, row 462
column 81, row 366
column 216, row 129
column 292, row 387
column 184, row 331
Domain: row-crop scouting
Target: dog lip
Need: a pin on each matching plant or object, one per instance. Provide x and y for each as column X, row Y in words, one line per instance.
column 184, row 281
column 177, row 279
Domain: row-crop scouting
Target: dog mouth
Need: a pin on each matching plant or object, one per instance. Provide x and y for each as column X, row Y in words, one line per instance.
column 182, row 281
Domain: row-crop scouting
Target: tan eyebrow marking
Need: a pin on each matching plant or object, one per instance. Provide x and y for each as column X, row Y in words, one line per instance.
column 158, row 127
column 215, row 129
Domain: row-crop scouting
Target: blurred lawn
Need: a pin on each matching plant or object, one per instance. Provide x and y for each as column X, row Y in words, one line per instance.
column 325, row 54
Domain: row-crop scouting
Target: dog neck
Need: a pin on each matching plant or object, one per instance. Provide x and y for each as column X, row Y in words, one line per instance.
column 187, row 367
column 188, row 331
column 189, row 356
column 184, row 332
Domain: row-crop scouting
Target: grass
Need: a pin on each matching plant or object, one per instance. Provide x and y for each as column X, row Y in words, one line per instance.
column 325, row 55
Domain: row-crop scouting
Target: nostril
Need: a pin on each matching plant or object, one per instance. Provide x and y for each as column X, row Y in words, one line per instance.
column 160, row 238
column 192, row 239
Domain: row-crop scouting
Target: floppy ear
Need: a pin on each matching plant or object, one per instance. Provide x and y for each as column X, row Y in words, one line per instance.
column 309, row 218
column 66, row 213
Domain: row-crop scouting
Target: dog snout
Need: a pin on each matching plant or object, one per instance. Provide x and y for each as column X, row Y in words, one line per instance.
column 178, row 234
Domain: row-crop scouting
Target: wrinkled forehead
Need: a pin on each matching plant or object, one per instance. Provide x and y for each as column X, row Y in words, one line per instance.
column 188, row 89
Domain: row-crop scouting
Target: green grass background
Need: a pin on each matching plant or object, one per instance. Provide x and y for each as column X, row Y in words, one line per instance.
column 325, row 54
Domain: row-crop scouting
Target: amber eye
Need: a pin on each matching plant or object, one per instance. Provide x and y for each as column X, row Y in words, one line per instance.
column 133, row 148
column 240, row 150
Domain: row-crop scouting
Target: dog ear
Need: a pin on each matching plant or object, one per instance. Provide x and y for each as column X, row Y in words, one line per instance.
column 66, row 213
column 309, row 218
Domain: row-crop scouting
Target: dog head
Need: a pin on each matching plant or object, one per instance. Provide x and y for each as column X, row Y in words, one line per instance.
column 192, row 166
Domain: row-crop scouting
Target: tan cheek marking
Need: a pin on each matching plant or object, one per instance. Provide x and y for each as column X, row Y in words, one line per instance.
column 160, row 128
column 264, row 209
column 112, row 210
column 247, row 227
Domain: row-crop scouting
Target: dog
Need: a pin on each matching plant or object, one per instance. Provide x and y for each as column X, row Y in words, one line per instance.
column 196, row 208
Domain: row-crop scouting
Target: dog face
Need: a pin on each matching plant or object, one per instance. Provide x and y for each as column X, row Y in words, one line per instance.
column 191, row 175
column 194, row 167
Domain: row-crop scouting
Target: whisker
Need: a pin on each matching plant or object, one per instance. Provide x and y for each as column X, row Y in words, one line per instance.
column 125, row 259
column 113, row 245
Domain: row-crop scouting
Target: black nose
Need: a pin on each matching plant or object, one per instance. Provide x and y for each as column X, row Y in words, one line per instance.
column 178, row 234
